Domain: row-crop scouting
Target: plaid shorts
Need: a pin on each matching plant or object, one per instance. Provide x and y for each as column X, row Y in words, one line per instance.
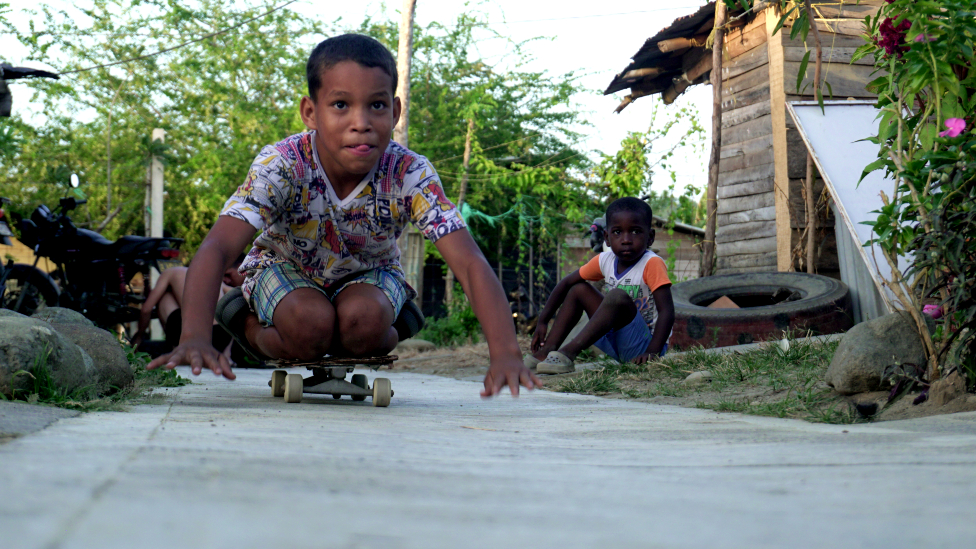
column 273, row 283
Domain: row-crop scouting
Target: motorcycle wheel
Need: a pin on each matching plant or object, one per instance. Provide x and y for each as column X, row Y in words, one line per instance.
column 28, row 290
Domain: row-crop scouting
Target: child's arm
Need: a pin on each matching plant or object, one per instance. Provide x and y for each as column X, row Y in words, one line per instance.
column 662, row 329
column 556, row 299
column 219, row 249
column 490, row 306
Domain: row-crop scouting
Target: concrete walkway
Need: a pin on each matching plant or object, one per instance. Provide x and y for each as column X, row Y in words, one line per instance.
column 225, row 465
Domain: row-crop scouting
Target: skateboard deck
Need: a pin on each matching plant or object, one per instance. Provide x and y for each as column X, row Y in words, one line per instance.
column 328, row 378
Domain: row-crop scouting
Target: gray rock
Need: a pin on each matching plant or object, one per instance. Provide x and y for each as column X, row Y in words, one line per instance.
column 60, row 315
column 947, row 388
column 414, row 345
column 26, row 343
column 8, row 312
column 859, row 363
column 114, row 370
column 697, row 378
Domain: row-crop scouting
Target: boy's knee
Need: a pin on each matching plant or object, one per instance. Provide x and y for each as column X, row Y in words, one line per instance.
column 311, row 336
column 364, row 327
column 618, row 298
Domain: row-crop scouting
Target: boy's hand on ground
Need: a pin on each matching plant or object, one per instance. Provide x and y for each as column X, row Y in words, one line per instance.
column 539, row 338
column 511, row 372
column 646, row 358
column 199, row 354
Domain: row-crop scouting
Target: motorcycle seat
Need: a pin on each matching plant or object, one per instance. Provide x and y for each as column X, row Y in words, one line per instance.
column 94, row 238
column 130, row 244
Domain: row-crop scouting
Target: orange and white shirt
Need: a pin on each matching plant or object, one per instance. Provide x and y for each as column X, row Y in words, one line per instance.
column 639, row 281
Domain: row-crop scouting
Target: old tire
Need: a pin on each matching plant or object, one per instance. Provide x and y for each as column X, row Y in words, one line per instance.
column 824, row 307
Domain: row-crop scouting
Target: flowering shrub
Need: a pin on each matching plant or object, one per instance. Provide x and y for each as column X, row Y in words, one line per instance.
column 924, row 52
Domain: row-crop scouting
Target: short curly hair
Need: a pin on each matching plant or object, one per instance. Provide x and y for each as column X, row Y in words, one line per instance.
column 360, row 48
column 633, row 205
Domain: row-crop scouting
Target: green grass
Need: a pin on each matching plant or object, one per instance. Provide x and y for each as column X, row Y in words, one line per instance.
column 767, row 382
column 598, row 381
column 43, row 390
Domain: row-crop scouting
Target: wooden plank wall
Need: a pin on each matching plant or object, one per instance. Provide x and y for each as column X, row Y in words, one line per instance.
column 745, row 235
column 758, row 225
column 840, row 31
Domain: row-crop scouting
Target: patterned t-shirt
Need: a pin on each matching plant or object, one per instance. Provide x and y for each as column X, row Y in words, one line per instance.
column 287, row 196
column 639, row 281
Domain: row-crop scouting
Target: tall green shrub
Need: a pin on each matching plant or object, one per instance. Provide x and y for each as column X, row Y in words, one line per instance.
column 924, row 52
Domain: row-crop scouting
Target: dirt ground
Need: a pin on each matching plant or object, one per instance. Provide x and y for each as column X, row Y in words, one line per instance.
column 471, row 362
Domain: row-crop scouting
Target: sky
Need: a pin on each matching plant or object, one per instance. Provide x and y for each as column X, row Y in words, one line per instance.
column 592, row 39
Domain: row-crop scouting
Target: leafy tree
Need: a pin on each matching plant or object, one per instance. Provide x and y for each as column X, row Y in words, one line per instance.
column 644, row 157
column 219, row 99
column 222, row 98
column 926, row 145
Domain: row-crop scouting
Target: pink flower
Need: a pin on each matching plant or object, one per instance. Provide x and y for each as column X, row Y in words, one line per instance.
column 933, row 311
column 956, row 126
column 925, row 38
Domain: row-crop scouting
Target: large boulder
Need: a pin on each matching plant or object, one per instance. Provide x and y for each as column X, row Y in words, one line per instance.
column 114, row 370
column 27, row 344
column 60, row 315
column 868, row 348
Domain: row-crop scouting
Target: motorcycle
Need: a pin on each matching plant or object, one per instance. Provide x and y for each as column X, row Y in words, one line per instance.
column 93, row 276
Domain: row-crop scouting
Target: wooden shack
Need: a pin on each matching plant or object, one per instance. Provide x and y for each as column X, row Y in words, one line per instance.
column 761, row 212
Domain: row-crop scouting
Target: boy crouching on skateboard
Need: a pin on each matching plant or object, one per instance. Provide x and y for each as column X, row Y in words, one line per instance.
column 324, row 275
column 633, row 321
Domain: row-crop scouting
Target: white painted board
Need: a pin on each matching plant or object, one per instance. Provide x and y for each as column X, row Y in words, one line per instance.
column 834, row 136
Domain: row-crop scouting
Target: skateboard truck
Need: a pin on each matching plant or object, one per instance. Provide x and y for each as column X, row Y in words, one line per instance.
column 329, row 378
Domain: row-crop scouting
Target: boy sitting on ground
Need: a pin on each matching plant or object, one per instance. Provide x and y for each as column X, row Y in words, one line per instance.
column 324, row 275
column 633, row 321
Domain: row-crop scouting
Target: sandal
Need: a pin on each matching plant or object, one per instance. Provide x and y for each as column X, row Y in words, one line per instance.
column 531, row 362
column 556, row 363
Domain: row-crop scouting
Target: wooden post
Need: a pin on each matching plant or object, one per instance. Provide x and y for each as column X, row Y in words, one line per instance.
column 531, row 273
column 559, row 259
column 156, row 218
column 411, row 242
column 781, row 179
column 711, row 202
column 449, row 279
column 500, row 239
column 811, row 203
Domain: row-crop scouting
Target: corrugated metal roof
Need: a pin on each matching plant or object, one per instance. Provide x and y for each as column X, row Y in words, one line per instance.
column 650, row 56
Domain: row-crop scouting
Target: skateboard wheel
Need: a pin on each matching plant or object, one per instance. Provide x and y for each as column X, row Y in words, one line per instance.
column 293, row 388
column 336, row 396
column 382, row 392
column 278, row 383
column 359, row 380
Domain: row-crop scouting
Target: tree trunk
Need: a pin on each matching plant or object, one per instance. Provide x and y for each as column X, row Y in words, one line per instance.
column 411, row 247
column 404, row 54
column 449, row 279
column 711, row 202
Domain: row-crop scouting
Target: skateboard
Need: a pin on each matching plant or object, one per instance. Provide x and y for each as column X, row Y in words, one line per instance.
column 329, row 378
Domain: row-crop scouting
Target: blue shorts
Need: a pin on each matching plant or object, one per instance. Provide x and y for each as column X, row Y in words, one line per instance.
column 629, row 342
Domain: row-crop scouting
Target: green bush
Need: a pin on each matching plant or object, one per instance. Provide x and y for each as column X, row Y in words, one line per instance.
column 927, row 95
column 459, row 327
